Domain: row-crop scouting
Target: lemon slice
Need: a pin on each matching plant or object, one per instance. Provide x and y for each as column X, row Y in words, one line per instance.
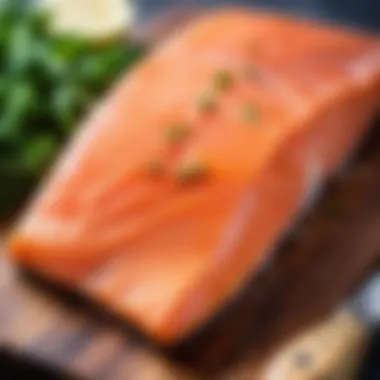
column 94, row 19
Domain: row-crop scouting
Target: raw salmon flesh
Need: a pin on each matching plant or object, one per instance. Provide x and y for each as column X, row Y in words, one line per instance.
column 181, row 182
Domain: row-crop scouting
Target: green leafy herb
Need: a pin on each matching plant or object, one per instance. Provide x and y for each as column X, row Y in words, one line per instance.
column 39, row 153
column 47, row 84
column 223, row 80
column 191, row 172
column 177, row 133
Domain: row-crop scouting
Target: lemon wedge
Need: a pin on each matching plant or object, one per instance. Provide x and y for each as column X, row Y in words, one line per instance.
column 91, row 19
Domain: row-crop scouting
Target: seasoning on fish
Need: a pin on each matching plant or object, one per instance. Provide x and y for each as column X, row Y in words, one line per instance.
column 190, row 172
column 223, row 80
column 177, row 133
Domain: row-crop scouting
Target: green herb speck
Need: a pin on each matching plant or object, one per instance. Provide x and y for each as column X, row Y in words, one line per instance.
column 177, row 133
column 223, row 80
column 191, row 172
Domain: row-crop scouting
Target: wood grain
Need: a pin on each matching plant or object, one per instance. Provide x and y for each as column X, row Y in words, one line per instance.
column 307, row 277
column 331, row 350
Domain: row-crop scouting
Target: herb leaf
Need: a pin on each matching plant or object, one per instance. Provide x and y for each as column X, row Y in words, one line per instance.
column 191, row 172
column 48, row 82
column 177, row 133
column 223, row 80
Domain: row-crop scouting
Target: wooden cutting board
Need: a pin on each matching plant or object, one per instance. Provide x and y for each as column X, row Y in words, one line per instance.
column 329, row 254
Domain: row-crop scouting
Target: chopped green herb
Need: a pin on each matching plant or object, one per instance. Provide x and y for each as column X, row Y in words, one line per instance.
column 177, row 133
column 223, row 80
column 39, row 152
column 48, row 82
column 206, row 103
column 250, row 114
column 155, row 167
column 191, row 172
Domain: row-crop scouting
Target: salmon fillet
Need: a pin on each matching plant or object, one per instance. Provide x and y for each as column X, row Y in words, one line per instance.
column 179, row 185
